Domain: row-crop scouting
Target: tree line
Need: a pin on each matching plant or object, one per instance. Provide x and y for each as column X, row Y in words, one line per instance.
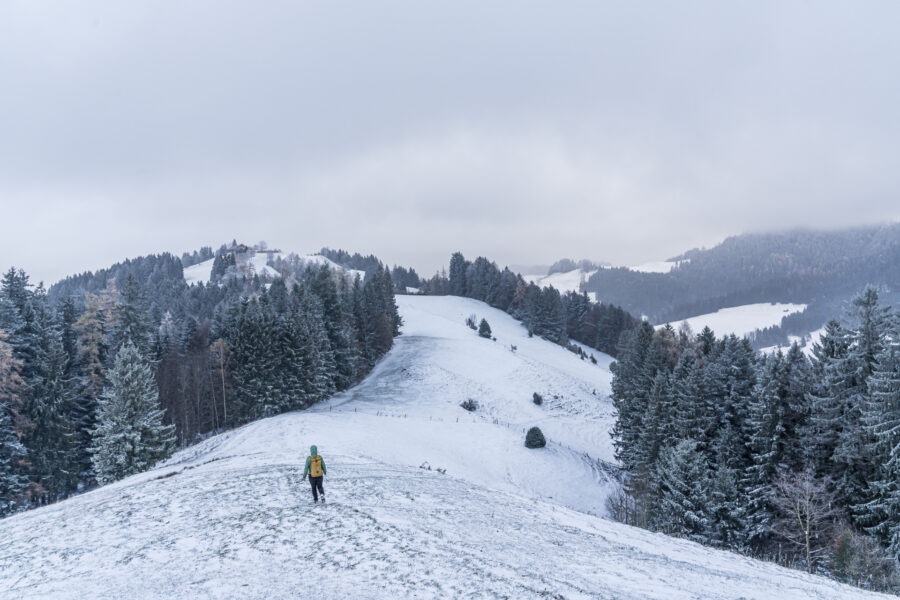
column 545, row 312
column 780, row 456
column 111, row 371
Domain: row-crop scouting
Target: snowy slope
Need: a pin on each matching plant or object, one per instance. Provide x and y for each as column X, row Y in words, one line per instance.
column 741, row 320
column 199, row 273
column 229, row 518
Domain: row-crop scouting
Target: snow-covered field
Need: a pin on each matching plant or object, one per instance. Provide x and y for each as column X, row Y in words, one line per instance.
column 741, row 320
column 806, row 342
column 564, row 282
column 658, row 266
column 229, row 518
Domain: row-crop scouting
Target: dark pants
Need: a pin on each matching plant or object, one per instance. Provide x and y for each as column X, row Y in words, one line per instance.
column 316, row 483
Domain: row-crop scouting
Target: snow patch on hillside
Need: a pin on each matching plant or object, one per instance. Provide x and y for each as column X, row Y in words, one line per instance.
column 741, row 320
column 199, row 273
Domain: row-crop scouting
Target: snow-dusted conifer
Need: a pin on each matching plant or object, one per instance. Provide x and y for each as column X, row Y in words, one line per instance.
column 13, row 481
column 683, row 479
column 133, row 318
column 881, row 417
column 130, row 436
column 484, row 329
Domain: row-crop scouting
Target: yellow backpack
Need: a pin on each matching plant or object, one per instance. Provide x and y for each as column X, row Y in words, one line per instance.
column 315, row 466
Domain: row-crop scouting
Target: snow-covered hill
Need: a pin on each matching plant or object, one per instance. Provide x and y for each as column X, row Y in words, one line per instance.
column 229, row 518
column 741, row 320
column 257, row 263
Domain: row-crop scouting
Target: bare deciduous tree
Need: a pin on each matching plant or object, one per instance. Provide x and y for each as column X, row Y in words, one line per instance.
column 806, row 508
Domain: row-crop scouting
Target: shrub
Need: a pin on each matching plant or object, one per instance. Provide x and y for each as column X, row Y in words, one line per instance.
column 859, row 560
column 537, row 399
column 484, row 330
column 535, row 438
column 470, row 405
column 470, row 322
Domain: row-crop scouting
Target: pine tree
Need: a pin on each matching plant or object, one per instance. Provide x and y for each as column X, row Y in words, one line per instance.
column 778, row 415
column 323, row 285
column 727, row 510
column 13, row 483
column 827, row 397
column 130, row 436
column 13, row 480
column 458, row 267
column 853, row 464
column 49, row 405
column 484, row 329
column 881, row 417
column 683, row 498
column 319, row 365
column 630, row 387
column 132, row 318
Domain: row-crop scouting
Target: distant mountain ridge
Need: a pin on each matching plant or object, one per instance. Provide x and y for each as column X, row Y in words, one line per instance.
column 821, row 269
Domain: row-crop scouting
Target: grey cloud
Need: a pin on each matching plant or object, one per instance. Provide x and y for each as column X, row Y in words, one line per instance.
column 524, row 131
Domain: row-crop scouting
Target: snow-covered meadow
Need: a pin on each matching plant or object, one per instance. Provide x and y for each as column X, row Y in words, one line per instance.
column 230, row 518
column 741, row 320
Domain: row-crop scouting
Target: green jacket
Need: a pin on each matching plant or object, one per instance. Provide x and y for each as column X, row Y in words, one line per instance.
column 313, row 451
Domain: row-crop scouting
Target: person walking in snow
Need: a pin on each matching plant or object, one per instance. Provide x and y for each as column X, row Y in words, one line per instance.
column 315, row 468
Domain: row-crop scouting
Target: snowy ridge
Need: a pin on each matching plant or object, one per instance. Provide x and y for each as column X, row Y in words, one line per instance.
column 229, row 518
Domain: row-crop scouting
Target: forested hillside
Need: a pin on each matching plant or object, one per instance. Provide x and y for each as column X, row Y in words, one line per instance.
column 820, row 268
column 777, row 456
column 108, row 372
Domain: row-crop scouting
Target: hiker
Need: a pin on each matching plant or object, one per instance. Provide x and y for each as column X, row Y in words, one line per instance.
column 315, row 468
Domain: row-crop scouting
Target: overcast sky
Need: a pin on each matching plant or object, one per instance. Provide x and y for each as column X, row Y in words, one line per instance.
column 523, row 131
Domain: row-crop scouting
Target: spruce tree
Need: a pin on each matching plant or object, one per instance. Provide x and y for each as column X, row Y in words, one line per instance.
column 778, row 415
column 853, row 464
column 683, row 487
column 130, row 436
column 132, row 318
column 484, row 329
column 880, row 514
column 827, row 397
column 13, row 482
column 49, row 404
column 13, row 456
column 458, row 267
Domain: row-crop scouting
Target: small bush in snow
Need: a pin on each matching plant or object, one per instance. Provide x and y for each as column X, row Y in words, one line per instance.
column 470, row 405
column 484, row 330
column 537, row 399
column 535, row 438
column 470, row 322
